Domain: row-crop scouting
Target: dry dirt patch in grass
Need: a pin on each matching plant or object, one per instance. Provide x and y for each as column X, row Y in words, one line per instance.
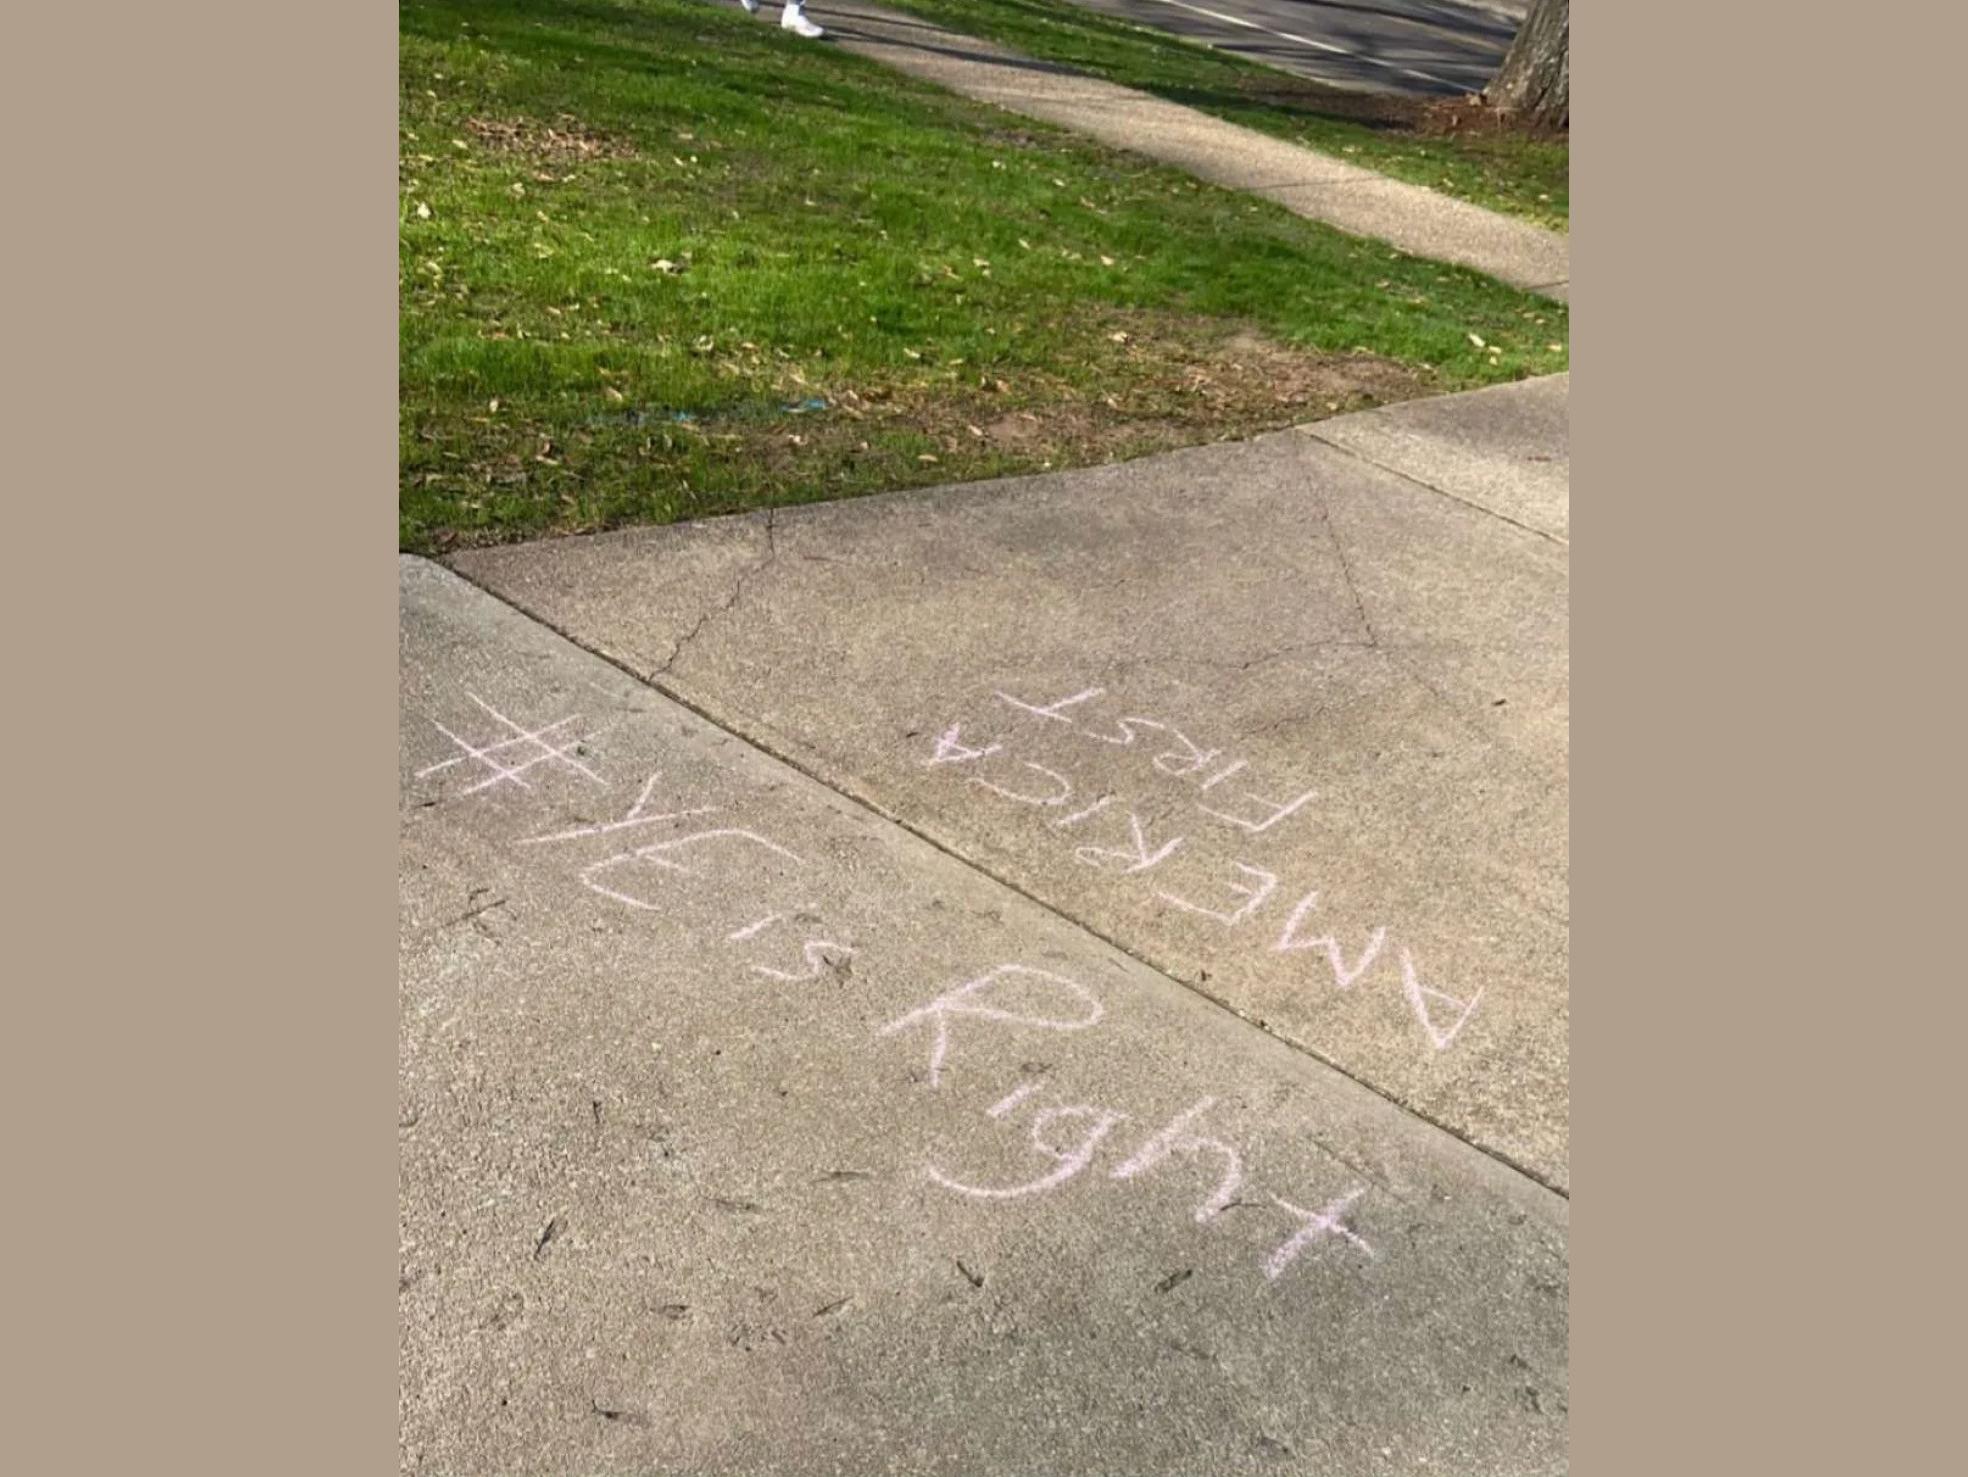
column 1177, row 381
column 1174, row 382
column 1424, row 117
column 1441, row 117
column 565, row 140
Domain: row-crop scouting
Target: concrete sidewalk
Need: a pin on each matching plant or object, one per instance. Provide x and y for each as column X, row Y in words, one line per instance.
column 1505, row 449
column 1286, row 719
column 1318, row 186
column 743, row 1132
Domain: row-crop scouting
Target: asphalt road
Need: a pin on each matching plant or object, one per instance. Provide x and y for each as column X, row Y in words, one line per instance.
column 1420, row 47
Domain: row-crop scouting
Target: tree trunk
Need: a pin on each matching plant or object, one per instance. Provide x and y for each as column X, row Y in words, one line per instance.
column 1535, row 80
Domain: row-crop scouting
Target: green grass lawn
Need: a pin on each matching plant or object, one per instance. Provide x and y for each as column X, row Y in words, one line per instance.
column 658, row 261
column 1504, row 170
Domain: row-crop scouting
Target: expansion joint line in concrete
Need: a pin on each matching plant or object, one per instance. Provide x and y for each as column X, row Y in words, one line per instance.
column 1391, row 653
column 1346, row 568
column 1408, row 477
column 882, row 813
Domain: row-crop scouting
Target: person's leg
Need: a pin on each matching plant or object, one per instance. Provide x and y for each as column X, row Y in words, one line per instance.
column 751, row 6
column 794, row 19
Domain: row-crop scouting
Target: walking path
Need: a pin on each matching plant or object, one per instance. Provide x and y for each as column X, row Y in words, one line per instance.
column 1285, row 719
column 741, row 1131
column 1307, row 183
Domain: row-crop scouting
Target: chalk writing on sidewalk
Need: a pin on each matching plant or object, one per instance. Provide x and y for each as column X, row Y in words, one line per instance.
column 735, row 861
column 509, row 759
column 1120, row 842
column 659, row 855
column 639, row 814
column 968, row 1000
column 1069, row 1136
column 1254, row 814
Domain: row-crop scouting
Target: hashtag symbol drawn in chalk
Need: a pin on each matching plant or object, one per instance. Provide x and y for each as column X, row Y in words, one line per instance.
column 523, row 749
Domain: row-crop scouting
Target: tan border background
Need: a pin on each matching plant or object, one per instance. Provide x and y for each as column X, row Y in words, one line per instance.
column 1758, row 1111
column 201, row 480
column 201, row 360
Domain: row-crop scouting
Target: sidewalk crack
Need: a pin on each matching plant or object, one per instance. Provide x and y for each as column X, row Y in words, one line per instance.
column 728, row 604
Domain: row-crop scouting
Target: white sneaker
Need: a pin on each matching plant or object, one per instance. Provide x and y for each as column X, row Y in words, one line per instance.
column 794, row 20
column 751, row 6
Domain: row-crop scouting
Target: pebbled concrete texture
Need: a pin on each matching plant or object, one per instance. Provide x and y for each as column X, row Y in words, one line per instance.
column 1308, row 183
column 1245, row 627
column 686, row 1186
